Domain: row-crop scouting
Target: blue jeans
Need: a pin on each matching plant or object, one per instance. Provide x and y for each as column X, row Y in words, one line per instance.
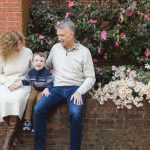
column 59, row 95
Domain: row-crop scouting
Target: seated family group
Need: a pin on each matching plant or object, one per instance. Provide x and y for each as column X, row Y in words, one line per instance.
column 31, row 83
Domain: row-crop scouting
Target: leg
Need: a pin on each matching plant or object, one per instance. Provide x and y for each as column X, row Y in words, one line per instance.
column 75, row 116
column 30, row 102
column 11, row 131
column 40, row 111
column 6, row 123
column 39, row 96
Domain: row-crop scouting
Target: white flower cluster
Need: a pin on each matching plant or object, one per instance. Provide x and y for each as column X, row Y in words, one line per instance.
column 147, row 66
column 124, row 90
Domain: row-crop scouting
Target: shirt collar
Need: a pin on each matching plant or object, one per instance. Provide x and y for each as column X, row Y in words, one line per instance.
column 76, row 46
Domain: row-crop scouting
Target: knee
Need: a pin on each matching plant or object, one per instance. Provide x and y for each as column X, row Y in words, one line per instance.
column 75, row 114
column 39, row 108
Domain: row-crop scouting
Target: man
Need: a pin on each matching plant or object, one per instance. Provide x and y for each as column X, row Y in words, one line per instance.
column 73, row 77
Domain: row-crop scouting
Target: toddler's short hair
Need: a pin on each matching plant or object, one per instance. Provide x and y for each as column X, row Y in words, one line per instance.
column 41, row 54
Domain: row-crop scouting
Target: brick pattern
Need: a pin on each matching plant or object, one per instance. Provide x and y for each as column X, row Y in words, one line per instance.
column 26, row 5
column 104, row 128
column 10, row 15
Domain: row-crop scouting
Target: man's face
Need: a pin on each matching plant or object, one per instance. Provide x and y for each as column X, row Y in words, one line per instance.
column 65, row 36
column 38, row 62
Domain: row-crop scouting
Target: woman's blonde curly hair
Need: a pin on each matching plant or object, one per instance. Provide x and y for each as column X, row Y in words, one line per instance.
column 8, row 43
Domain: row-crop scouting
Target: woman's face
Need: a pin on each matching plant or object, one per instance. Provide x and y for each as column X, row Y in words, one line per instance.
column 19, row 46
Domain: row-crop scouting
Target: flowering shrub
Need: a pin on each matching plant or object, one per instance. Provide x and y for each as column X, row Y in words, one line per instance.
column 124, row 89
column 112, row 31
column 117, row 31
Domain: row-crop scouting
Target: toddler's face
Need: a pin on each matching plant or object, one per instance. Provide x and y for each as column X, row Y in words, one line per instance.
column 38, row 62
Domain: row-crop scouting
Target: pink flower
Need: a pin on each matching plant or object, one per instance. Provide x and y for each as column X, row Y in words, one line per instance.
column 92, row 21
column 99, row 49
column 123, row 35
column 104, row 35
column 68, row 13
column 116, row 43
column 134, row 3
column 41, row 37
column 145, row 16
column 131, row 10
column 138, row 13
column 147, row 52
column 105, row 56
column 123, row 10
column 71, row 3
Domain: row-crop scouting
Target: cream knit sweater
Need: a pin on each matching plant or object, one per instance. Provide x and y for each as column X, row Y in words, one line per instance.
column 72, row 68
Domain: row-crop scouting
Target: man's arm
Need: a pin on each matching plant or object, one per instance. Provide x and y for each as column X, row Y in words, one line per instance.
column 89, row 74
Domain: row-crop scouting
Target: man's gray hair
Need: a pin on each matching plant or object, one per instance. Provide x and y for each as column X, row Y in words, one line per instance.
column 66, row 24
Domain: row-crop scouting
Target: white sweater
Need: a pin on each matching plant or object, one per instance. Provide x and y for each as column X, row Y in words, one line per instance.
column 72, row 68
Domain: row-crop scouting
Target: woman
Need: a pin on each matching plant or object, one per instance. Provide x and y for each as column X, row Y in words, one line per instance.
column 14, row 64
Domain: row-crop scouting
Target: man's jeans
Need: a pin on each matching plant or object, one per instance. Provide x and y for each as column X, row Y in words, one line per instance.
column 59, row 95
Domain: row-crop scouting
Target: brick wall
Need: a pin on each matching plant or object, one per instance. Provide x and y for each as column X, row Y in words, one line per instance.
column 104, row 128
column 26, row 5
column 10, row 15
column 14, row 15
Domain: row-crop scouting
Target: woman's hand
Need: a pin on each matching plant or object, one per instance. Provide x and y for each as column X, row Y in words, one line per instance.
column 15, row 86
column 46, row 92
column 12, row 87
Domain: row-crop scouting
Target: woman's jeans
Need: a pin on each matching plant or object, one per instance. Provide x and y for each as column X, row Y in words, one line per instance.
column 59, row 95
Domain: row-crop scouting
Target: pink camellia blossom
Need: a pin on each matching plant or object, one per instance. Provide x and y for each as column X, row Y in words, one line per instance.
column 145, row 16
column 116, row 43
column 99, row 49
column 105, row 56
column 123, row 10
column 71, row 3
column 123, row 35
column 41, row 37
column 147, row 52
column 138, row 12
column 104, row 35
column 130, row 11
column 92, row 21
column 134, row 3
column 68, row 13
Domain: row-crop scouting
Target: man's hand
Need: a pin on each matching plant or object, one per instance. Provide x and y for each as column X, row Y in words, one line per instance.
column 46, row 92
column 77, row 98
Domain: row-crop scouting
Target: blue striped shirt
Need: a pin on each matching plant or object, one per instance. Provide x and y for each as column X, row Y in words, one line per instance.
column 39, row 79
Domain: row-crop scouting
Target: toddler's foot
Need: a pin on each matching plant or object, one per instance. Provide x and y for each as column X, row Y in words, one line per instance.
column 27, row 125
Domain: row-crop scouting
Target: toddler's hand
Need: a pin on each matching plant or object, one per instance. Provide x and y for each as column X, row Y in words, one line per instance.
column 46, row 92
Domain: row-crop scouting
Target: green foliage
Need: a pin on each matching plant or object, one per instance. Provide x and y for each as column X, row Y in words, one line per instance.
column 112, row 31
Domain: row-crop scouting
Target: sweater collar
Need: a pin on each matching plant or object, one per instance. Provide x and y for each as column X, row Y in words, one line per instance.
column 76, row 46
column 39, row 71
